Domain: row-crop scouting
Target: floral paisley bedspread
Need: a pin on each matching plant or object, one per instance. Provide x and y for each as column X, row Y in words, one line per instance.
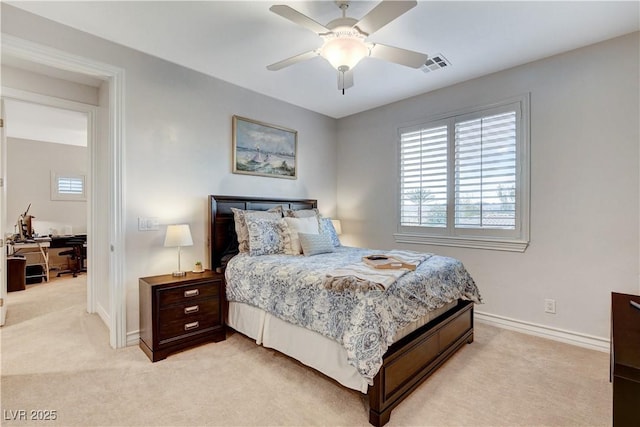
column 364, row 323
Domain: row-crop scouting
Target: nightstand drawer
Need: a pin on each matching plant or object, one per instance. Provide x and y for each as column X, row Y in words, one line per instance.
column 188, row 325
column 182, row 294
column 189, row 310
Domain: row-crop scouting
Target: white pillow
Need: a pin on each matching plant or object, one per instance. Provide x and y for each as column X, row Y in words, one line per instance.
column 307, row 225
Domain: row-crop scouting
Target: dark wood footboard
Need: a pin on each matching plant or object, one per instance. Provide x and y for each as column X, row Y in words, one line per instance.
column 414, row 358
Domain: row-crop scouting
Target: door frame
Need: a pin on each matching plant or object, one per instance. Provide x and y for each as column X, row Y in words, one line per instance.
column 107, row 252
column 3, row 214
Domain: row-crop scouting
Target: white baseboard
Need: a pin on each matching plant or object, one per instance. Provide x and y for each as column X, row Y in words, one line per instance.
column 568, row 337
column 133, row 338
column 102, row 313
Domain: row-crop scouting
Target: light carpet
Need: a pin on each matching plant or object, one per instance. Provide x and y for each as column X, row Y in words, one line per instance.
column 56, row 357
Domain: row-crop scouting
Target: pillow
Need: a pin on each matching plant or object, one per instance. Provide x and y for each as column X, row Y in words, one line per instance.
column 267, row 236
column 314, row 244
column 307, row 225
column 302, row 213
column 241, row 225
column 326, row 227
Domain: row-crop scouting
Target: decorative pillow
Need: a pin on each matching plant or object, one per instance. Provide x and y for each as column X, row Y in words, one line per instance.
column 314, row 244
column 241, row 224
column 326, row 227
column 302, row 213
column 307, row 225
column 268, row 236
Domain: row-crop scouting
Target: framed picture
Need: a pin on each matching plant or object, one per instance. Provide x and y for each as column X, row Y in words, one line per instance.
column 263, row 149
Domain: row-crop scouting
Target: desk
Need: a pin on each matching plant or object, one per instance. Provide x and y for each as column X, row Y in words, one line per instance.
column 43, row 246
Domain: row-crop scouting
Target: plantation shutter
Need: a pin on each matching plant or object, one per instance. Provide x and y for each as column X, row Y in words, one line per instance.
column 485, row 172
column 423, row 177
column 70, row 185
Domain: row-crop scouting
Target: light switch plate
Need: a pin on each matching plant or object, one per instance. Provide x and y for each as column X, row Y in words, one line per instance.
column 148, row 224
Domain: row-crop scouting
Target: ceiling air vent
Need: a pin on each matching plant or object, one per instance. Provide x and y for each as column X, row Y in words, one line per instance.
column 435, row 62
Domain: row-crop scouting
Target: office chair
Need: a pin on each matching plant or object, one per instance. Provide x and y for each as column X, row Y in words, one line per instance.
column 77, row 253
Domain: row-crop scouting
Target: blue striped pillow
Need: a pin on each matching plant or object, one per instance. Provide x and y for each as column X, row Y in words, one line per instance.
column 314, row 244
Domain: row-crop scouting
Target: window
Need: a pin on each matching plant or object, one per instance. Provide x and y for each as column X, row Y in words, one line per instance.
column 67, row 186
column 464, row 179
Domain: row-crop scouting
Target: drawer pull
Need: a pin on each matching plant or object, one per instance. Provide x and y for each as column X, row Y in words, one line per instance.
column 191, row 293
column 192, row 309
column 192, row 325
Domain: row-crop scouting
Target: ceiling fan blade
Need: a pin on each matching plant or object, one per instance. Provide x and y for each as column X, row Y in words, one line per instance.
column 293, row 60
column 345, row 80
column 382, row 14
column 298, row 18
column 405, row 57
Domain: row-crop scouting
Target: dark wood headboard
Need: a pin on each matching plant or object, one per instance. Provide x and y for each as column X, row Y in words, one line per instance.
column 223, row 243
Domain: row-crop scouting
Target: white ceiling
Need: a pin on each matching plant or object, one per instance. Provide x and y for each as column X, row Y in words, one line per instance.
column 236, row 40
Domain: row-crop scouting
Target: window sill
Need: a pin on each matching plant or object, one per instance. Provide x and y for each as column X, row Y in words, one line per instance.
column 463, row 242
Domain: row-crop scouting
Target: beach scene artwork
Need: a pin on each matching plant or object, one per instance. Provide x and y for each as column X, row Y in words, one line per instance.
column 263, row 149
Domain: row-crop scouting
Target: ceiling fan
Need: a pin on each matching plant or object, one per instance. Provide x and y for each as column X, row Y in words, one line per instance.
column 345, row 39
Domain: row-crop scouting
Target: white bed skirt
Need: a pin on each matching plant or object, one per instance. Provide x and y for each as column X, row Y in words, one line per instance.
column 309, row 347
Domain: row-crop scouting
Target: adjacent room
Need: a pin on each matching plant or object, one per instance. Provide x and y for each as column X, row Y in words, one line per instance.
column 46, row 205
column 320, row 213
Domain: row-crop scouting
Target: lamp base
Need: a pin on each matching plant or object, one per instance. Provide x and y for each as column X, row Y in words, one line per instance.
column 179, row 273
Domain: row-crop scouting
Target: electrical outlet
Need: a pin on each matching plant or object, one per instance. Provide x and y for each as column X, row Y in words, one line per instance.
column 550, row 306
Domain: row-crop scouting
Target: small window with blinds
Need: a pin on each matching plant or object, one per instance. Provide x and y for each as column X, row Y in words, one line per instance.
column 65, row 186
column 464, row 179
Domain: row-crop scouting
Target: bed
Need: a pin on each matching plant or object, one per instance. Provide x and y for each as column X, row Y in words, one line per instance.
column 413, row 353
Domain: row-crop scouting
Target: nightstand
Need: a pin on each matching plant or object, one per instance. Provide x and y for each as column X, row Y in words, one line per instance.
column 180, row 312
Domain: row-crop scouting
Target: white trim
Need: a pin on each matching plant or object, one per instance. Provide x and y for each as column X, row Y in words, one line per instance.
column 117, row 200
column 133, row 338
column 567, row 337
column 3, row 216
column 103, row 314
column 52, row 57
column 462, row 242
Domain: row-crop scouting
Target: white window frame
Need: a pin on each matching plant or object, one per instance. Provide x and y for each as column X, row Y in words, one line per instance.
column 515, row 240
column 58, row 196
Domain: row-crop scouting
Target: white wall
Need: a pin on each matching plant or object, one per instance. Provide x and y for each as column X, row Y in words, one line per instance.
column 584, row 184
column 178, row 146
column 29, row 166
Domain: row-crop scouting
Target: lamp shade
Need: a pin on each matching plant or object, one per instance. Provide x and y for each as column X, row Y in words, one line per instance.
column 178, row 235
column 337, row 225
column 344, row 52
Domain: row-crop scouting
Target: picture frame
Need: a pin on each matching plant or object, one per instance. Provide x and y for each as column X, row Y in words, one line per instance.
column 264, row 149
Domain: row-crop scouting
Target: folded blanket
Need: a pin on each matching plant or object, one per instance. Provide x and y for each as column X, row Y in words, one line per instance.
column 362, row 277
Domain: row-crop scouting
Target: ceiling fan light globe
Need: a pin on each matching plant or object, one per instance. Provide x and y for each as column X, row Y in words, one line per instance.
column 344, row 52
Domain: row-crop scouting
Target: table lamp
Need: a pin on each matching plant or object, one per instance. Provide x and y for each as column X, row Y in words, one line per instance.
column 337, row 225
column 178, row 235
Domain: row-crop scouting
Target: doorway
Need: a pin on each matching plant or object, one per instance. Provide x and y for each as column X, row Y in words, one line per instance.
column 47, row 165
column 105, row 248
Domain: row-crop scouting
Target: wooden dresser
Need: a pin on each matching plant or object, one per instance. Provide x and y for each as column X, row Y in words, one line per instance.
column 625, row 359
column 180, row 312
